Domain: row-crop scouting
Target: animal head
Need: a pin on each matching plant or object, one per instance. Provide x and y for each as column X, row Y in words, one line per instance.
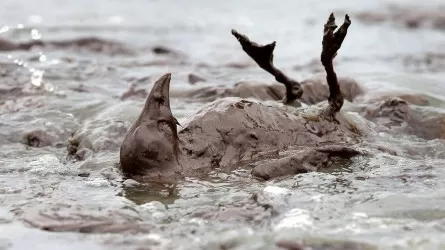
column 151, row 144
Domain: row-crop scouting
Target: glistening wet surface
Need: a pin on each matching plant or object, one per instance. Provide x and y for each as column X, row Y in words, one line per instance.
column 50, row 202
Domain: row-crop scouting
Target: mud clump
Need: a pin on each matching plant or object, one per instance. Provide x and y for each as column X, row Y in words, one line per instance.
column 193, row 78
column 39, row 138
column 91, row 44
column 163, row 50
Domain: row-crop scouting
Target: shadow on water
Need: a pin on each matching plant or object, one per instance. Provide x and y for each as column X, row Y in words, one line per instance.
column 148, row 192
column 220, row 182
column 340, row 166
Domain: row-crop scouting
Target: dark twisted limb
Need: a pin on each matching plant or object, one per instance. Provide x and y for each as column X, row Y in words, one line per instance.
column 331, row 44
column 263, row 56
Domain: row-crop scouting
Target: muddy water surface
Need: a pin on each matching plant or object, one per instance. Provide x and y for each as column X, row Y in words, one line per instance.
column 49, row 202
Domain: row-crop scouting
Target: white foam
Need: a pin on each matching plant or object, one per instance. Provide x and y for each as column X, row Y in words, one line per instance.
column 295, row 218
column 45, row 165
column 97, row 182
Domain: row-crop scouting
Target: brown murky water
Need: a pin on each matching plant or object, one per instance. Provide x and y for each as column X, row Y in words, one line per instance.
column 386, row 202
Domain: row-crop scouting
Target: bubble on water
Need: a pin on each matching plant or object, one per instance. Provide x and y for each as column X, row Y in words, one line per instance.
column 155, row 237
column 130, row 183
column 97, row 182
column 274, row 190
column 18, row 62
column 295, row 218
column 4, row 29
column 35, row 34
column 153, row 206
column 197, row 221
column 155, row 240
column 42, row 58
column 358, row 215
column 274, row 196
column 36, row 77
column 49, row 87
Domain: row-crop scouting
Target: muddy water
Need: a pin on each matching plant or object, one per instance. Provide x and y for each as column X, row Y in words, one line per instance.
column 48, row 202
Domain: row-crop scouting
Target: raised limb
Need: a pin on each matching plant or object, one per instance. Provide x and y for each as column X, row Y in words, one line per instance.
column 263, row 56
column 331, row 44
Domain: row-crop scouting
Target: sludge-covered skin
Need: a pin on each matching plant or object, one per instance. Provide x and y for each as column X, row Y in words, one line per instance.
column 290, row 143
column 233, row 131
column 228, row 133
column 401, row 115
